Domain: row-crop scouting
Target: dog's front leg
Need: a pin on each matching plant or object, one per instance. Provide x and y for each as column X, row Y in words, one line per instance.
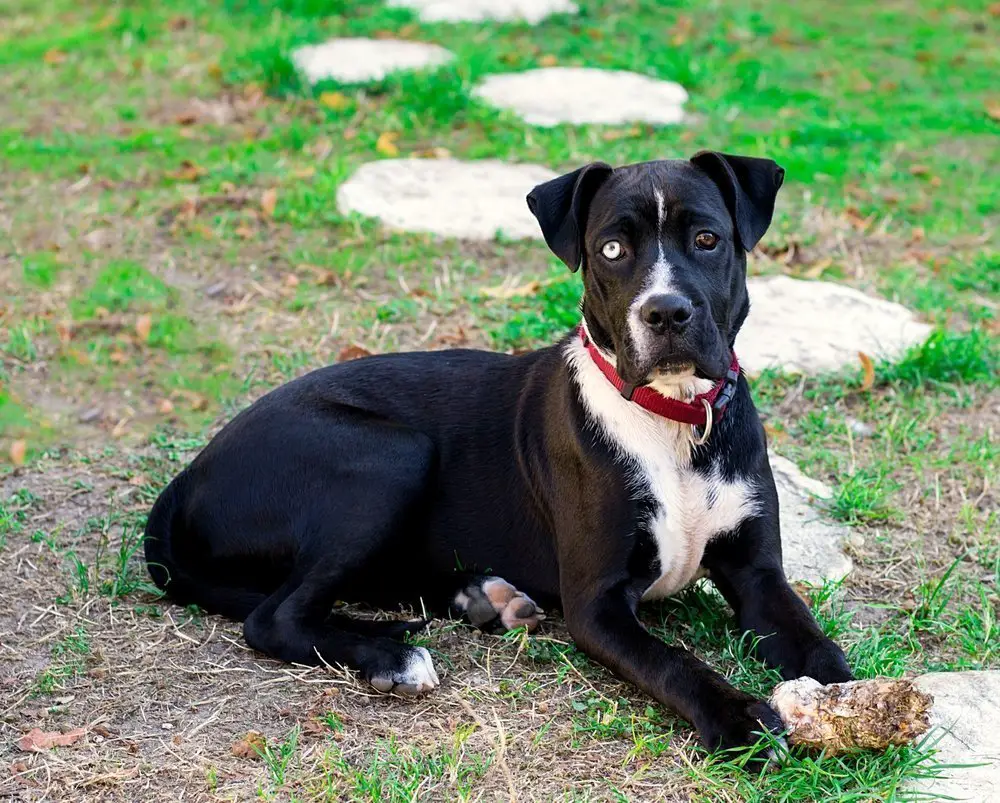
column 747, row 570
column 599, row 599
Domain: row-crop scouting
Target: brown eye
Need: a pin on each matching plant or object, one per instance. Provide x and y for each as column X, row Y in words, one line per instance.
column 706, row 241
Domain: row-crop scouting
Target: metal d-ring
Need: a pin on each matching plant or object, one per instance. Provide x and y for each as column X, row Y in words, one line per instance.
column 700, row 440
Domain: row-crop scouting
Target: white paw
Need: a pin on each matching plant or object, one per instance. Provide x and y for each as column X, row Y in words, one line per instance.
column 418, row 677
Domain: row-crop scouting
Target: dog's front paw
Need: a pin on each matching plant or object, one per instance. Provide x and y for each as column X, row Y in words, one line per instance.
column 826, row 663
column 742, row 723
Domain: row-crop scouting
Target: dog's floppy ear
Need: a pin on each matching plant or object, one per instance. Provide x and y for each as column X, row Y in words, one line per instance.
column 561, row 206
column 749, row 186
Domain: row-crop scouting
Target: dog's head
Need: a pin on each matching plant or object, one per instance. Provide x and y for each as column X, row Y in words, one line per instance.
column 663, row 248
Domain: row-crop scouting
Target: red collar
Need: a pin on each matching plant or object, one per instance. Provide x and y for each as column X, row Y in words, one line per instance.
column 693, row 412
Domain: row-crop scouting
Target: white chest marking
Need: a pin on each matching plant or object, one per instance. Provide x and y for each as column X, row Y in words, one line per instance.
column 689, row 507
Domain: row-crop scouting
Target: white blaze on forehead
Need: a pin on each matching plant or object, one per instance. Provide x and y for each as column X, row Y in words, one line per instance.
column 658, row 283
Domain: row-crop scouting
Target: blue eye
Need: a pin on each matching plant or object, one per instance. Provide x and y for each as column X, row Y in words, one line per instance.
column 612, row 250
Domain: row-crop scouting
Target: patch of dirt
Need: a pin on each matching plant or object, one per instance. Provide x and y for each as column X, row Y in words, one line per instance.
column 165, row 697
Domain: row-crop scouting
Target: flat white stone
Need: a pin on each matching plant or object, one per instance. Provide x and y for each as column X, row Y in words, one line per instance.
column 530, row 11
column 966, row 717
column 810, row 543
column 578, row 95
column 809, row 327
column 448, row 197
column 355, row 61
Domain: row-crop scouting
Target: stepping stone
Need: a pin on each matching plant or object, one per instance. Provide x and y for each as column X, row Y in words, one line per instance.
column 966, row 717
column 530, row 11
column 473, row 200
column 355, row 61
column 809, row 327
column 810, row 543
column 578, row 95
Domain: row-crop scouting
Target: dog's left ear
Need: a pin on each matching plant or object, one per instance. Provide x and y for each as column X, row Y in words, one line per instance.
column 749, row 186
column 561, row 206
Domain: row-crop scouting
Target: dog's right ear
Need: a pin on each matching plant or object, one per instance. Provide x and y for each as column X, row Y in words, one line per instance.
column 561, row 206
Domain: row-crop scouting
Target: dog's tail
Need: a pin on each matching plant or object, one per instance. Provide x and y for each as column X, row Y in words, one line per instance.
column 179, row 581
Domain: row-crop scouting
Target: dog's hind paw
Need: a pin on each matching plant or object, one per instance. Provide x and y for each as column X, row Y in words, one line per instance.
column 416, row 678
column 491, row 603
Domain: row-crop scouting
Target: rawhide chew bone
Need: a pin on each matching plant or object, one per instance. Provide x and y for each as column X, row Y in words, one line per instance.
column 860, row 715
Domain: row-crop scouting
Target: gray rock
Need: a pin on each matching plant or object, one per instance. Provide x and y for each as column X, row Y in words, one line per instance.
column 530, row 11
column 448, row 197
column 355, row 61
column 966, row 717
column 809, row 327
column 810, row 543
column 555, row 95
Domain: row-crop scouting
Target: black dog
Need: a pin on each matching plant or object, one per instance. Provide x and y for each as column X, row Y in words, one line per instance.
column 613, row 467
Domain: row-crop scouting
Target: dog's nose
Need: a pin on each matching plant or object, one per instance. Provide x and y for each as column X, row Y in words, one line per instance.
column 665, row 314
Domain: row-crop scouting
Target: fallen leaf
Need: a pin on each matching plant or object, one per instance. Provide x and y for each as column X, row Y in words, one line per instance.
column 143, row 326
column 815, row 270
column 291, row 280
column 507, row 291
column 250, row 746
column 179, row 23
column 681, row 30
column 244, row 231
column 432, row 153
column 548, row 60
column 18, row 450
column 118, row 357
column 137, row 480
column 166, row 407
column 54, row 56
column 994, row 9
column 337, row 101
column 386, row 143
column 352, row 352
column 269, row 200
column 868, row 367
column 188, row 171
column 305, row 172
column 37, row 740
column 919, row 170
column 187, row 118
column 993, row 109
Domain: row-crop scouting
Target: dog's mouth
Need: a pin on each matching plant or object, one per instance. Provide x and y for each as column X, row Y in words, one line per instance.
column 673, row 369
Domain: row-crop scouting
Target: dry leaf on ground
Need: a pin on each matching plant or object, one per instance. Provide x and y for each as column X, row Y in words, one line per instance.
column 337, row 101
column 352, row 352
column 250, row 746
column 508, row 291
column 268, row 201
column 37, row 740
column 18, row 450
column 143, row 326
column 869, row 371
column 386, row 143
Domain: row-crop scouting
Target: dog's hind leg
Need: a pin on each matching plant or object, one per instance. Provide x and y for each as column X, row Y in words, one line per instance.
column 348, row 538
column 494, row 605
column 289, row 626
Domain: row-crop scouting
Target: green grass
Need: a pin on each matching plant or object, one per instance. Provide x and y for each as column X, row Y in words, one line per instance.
column 41, row 269
column 391, row 771
column 118, row 287
column 68, row 659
